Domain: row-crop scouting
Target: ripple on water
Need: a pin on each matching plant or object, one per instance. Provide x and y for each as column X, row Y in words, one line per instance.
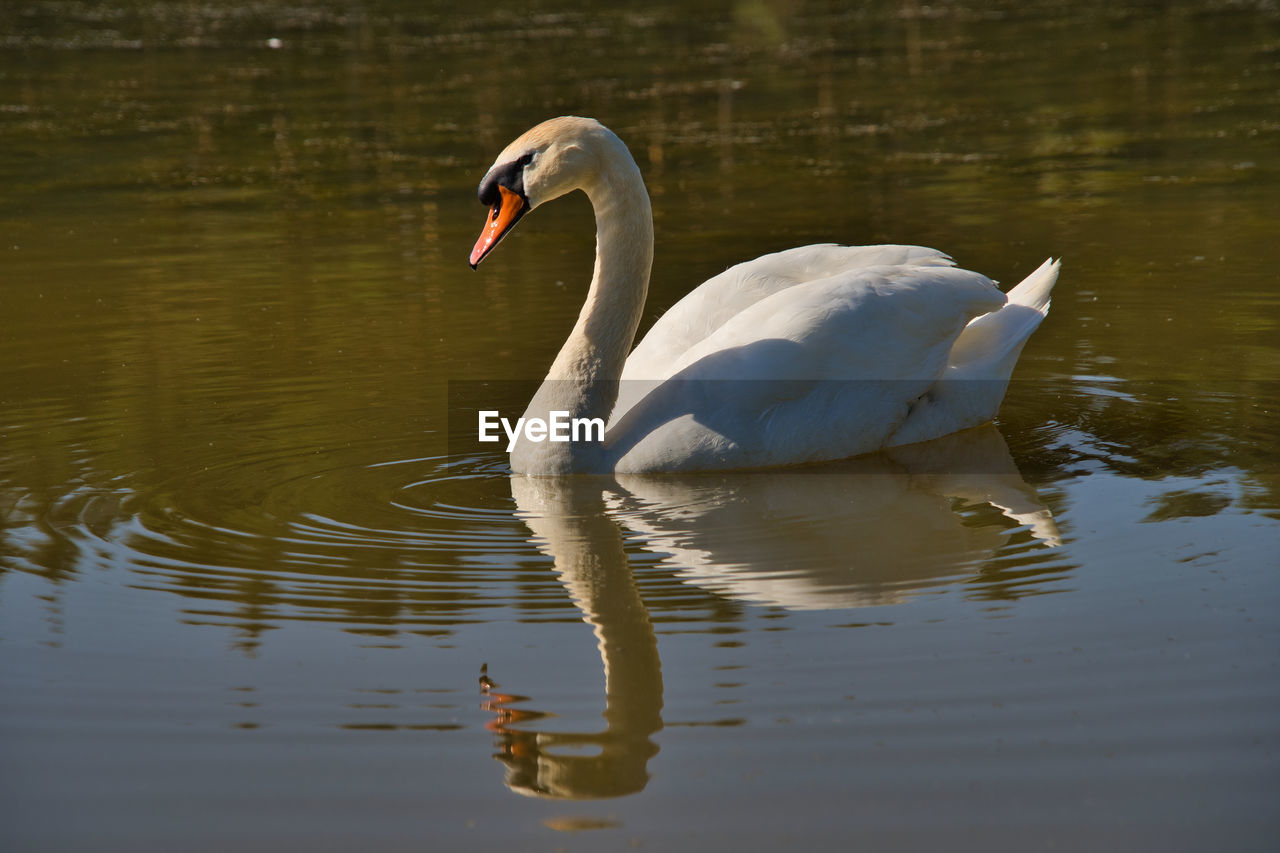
column 269, row 529
column 418, row 542
column 379, row 544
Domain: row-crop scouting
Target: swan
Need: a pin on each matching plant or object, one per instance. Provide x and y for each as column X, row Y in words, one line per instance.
column 815, row 353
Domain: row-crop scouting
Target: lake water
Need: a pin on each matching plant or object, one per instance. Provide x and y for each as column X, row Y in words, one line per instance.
column 252, row 597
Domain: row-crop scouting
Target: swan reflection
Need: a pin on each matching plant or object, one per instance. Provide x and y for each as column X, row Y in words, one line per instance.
column 570, row 523
column 863, row 532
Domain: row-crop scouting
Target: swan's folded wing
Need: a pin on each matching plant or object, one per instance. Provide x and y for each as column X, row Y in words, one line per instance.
column 822, row 370
column 718, row 300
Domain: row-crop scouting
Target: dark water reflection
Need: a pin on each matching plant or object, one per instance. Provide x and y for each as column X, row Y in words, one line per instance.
column 246, row 589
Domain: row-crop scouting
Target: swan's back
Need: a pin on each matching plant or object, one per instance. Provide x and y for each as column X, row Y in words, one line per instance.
column 721, row 298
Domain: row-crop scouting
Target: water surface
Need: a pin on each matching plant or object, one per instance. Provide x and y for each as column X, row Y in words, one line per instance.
column 251, row 596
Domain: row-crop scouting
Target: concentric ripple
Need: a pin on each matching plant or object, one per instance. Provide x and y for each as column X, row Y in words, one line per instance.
column 394, row 544
column 378, row 543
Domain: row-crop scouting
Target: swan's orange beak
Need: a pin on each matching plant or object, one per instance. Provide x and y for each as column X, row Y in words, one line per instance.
column 508, row 210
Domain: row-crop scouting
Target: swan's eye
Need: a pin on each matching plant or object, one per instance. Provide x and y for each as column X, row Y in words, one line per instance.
column 526, row 159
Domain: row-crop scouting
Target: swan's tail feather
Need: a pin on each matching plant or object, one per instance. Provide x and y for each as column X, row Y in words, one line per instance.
column 981, row 362
column 1035, row 291
column 989, row 346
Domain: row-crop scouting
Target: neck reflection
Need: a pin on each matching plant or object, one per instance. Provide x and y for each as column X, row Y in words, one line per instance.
column 569, row 523
column 870, row 531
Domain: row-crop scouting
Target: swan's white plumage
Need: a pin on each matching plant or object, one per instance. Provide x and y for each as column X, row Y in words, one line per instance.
column 980, row 362
column 815, row 353
column 824, row 369
column 720, row 298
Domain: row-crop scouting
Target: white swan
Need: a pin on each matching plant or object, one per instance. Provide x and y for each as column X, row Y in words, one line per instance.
column 816, row 353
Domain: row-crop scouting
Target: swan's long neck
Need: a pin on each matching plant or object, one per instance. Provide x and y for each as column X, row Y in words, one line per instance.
column 598, row 346
column 583, row 379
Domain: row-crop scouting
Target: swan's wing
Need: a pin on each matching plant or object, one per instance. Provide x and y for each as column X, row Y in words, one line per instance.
column 884, row 322
column 821, row 370
column 721, row 298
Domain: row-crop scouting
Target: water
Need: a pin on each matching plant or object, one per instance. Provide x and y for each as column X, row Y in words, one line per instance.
column 250, row 595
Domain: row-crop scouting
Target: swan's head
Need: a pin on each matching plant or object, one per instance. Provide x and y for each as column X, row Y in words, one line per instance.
column 558, row 156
